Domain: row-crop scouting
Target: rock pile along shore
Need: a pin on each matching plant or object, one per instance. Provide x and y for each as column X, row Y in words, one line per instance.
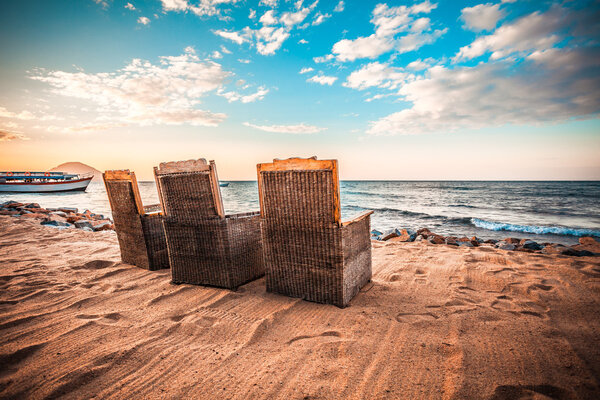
column 510, row 244
column 61, row 217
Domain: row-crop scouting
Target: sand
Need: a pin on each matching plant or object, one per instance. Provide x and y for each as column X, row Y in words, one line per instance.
column 437, row 322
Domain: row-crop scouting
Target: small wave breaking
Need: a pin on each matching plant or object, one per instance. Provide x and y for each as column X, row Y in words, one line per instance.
column 539, row 230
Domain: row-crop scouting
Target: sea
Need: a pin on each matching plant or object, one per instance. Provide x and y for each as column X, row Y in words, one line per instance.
column 558, row 212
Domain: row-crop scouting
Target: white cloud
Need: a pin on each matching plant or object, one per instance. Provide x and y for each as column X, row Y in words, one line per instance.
column 415, row 41
column 268, row 18
column 244, row 61
column 323, row 79
column 143, row 20
column 145, row 93
column 306, row 70
column 7, row 135
column 200, row 8
column 389, row 22
column 130, row 6
column 225, row 50
column 302, row 41
column 549, row 86
column 363, row 47
column 377, row 74
column 23, row 115
column 250, row 98
column 216, row 54
column 233, row 36
column 269, row 39
column 268, row 3
column 417, row 65
column 482, row 16
column 320, row 18
column 102, row 3
column 530, row 33
column 252, row 14
column 323, row 59
column 294, row 129
column 339, row 7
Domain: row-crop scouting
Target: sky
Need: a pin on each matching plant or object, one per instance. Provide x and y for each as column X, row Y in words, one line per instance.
column 433, row 90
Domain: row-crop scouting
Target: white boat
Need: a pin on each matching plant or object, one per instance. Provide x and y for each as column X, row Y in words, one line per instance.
column 43, row 182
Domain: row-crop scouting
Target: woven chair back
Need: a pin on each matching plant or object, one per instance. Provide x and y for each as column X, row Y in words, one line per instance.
column 189, row 190
column 299, row 192
column 123, row 192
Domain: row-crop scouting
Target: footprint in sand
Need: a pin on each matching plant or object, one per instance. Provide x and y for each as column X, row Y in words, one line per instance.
column 324, row 334
column 421, row 275
column 412, row 318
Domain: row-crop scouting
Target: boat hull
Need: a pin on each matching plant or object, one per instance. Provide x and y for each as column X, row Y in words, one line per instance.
column 45, row 187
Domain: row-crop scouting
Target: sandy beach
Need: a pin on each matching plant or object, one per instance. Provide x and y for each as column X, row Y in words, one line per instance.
column 438, row 321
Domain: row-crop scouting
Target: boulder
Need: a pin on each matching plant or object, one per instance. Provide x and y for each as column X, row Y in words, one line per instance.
column 35, row 215
column 67, row 209
column 32, row 205
column 56, row 224
column 407, row 235
column 553, row 249
column 419, row 238
column 436, row 239
column 588, row 240
column 84, row 224
column 424, row 232
column 511, row 240
column 72, row 218
column 87, row 229
column 568, row 251
column 103, row 226
column 465, row 244
column 491, row 241
column 375, row 232
column 502, row 245
column 530, row 245
column 390, row 233
column 451, row 240
column 60, row 213
column 8, row 212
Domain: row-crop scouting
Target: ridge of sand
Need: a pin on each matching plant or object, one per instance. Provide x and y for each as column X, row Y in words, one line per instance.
column 437, row 322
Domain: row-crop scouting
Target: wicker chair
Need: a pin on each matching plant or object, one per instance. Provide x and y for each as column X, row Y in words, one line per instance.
column 206, row 247
column 309, row 252
column 139, row 229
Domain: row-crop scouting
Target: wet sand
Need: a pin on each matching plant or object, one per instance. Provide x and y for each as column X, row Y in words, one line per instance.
column 437, row 322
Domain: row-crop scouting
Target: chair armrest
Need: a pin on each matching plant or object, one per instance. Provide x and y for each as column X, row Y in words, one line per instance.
column 358, row 218
column 153, row 209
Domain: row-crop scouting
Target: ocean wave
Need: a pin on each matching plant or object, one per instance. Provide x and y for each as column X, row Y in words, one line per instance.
column 414, row 214
column 539, row 230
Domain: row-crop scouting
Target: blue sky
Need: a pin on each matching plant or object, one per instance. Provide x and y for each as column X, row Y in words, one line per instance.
column 394, row 90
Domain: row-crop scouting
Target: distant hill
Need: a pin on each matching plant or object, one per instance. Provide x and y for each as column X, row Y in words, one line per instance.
column 78, row 168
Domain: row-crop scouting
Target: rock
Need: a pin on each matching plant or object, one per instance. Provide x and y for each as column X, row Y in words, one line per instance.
column 87, row 212
column 38, row 210
column 8, row 212
column 56, row 223
column 103, row 226
column 436, row 239
column 60, row 213
column 391, row 233
column 67, row 209
column 451, row 240
column 87, row 229
column 511, row 240
column 568, row 251
column 476, row 239
column 72, row 218
column 502, row 245
column 32, row 205
column 588, row 240
column 424, row 232
column 465, row 244
column 419, row 238
column 531, row 245
column 23, row 212
column 491, row 241
column 35, row 215
column 84, row 224
column 407, row 235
